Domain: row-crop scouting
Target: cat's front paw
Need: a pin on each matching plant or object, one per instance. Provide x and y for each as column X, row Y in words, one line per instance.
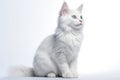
column 67, row 75
column 75, row 74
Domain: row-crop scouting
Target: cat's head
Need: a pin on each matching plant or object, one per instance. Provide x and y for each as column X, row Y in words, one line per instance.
column 71, row 19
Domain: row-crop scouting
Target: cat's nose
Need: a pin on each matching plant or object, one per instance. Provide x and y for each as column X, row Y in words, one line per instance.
column 80, row 20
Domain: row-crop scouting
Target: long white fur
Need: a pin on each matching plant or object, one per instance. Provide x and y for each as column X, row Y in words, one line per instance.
column 20, row 71
column 57, row 54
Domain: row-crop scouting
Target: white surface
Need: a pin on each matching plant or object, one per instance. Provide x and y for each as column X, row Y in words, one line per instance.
column 24, row 24
column 37, row 78
column 80, row 78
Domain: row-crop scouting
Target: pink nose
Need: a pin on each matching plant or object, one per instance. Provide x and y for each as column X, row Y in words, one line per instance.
column 80, row 20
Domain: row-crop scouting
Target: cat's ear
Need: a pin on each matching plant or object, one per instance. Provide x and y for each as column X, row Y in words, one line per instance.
column 80, row 8
column 64, row 10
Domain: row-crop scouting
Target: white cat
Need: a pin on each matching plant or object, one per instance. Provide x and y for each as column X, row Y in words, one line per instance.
column 57, row 54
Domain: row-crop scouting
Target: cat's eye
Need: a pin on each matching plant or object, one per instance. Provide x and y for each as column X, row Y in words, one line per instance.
column 81, row 17
column 73, row 16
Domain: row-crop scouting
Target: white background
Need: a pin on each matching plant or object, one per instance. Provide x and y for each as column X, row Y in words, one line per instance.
column 25, row 23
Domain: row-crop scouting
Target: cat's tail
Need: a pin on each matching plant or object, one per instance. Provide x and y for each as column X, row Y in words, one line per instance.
column 21, row 71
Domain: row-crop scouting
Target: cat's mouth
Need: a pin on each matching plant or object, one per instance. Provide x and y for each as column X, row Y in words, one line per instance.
column 78, row 24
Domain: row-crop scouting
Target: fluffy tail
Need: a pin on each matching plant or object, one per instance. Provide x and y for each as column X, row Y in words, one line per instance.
column 21, row 71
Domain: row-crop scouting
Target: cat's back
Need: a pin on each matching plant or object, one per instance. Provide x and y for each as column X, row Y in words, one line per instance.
column 46, row 44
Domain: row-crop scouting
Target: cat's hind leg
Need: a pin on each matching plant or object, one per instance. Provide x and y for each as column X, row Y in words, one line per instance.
column 43, row 65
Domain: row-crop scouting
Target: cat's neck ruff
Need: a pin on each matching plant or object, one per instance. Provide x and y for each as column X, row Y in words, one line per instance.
column 62, row 30
column 71, row 37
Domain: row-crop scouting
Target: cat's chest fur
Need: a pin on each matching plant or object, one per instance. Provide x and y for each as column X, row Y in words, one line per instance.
column 73, row 43
column 72, row 40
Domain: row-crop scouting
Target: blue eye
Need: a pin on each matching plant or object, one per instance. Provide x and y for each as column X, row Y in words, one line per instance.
column 73, row 16
column 81, row 17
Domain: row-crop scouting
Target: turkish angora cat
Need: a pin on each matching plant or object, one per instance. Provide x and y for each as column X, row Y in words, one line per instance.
column 57, row 54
